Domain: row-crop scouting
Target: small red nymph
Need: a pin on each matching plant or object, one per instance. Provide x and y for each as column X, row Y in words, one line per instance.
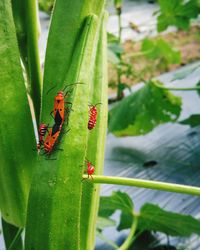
column 42, row 131
column 90, row 169
column 92, row 116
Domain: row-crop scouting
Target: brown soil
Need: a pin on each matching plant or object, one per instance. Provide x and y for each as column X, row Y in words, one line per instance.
column 187, row 42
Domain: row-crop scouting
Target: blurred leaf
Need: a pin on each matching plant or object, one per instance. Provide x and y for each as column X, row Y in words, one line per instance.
column 193, row 121
column 103, row 222
column 112, row 57
column 198, row 84
column 126, row 220
column 154, row 218
column 118, row 200
column 150, row 218
column 185, row 72
column 116, row 48
column 118, row 4
column 114, row 52
column 123, row 86
column 160, row 49
column 112, row 38
column 105, row 239
column 177, row 13
column 46, row 5
column 143, row 110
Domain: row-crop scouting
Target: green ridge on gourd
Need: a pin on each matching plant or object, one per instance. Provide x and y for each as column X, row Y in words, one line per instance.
column 55, row 197
column 96, row 141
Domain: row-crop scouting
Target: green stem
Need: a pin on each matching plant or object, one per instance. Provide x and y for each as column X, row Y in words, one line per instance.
column 158, row 185
column 119, row 26
column 119, row 91
column 130, row 238
column 34, row 71
column 141, row 53
column 174, row 88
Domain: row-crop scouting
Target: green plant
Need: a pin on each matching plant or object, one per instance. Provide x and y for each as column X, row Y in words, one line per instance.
column 151, row 217
column 62, row 210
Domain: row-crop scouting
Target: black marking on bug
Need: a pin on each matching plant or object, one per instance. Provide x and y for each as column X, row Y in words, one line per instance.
column 55, row 129
column 58, row 119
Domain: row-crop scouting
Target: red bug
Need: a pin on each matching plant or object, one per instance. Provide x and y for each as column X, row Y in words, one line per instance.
column 59, row 103
column 90, row 169
column 51, row 138
column 92, row 116
column 42, row 131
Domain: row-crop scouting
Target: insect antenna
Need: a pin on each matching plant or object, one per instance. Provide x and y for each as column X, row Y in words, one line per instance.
column 51, row 89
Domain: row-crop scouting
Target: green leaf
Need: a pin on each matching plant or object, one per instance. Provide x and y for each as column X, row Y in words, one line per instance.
column 126, row 220
column 100, row 235
column 46, row 5
column 177, row 13
column 198, row 91
column 111, row 38
column 154, row 218
column 112, row 57
column 118, row 200
column 143, row 110
column 16, row 129
column 27, row 29
column 160, row 49
column 103, row 222
column 118, row 4
column 116, row 48
column 192, row 121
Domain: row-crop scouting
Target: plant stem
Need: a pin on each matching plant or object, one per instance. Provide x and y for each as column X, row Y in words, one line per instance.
column 34, row 71
column 119, row 25
column 174, row 88
column 158, row 185
column 141, row 53
column 119, row 91
column 130, row 238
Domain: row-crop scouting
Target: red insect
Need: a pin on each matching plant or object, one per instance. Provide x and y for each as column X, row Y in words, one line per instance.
column 42, row 131
column 59, row 104
column 90, row 169
column 51, row 138
column 92, row 116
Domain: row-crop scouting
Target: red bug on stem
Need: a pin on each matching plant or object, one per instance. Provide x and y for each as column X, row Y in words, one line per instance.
column 92, row 116
column 90, row 169
column 59, row 103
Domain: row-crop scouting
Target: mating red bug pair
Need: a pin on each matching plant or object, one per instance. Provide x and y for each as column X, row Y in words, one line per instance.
column 59, row 118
